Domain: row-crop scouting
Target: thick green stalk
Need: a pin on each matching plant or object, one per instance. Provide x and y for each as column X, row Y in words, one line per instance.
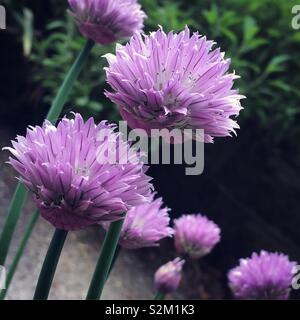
column 49, row 266
column 19, row 253
column 159, row 296
column 53, row 114
column 105, row 260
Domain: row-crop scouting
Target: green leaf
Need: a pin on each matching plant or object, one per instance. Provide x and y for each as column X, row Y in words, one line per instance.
column 281, row 85
column 211, row 15
column 82, row 101
column 95, row 106
column 250, row 28
column 253, row 44
column 229, row 34
column 276, row 64
column 55, row 25
column 27, row 31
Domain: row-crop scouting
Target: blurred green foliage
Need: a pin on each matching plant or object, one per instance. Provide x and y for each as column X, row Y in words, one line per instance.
column 257, row 36
column 264, row 49
column 53, row 56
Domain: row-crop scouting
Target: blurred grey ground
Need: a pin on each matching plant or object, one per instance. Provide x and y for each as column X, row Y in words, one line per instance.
column 127, row 281
column 131, row 277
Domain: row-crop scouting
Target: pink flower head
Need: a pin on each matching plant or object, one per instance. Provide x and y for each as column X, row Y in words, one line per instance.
column 168, row 276
column 174, row 81
column 195, row 235
column 73, row 183
column 264, row 276
column 145, row 225
column 107, row 21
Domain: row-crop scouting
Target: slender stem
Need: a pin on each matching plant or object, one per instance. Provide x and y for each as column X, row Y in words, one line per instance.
column 105, row 260
column 54, row 112
column 49, row 266
column 159, row 296
column 116, row 255
column 19, row 253
column 11, row 220
column 70, row 78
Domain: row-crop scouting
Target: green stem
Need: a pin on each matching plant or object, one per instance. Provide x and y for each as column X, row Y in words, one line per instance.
column 54, row 112
column 19, row 253
column 70, row 78
column 105, row 260
column 11, row 220
column 159, row 296
column 49, row 266
column 116, row 255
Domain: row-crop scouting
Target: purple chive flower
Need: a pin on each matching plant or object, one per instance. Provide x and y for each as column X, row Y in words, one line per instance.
column 145, row 225
column 263, row 276
column 73, row 183
column 174, row 81
column 168, row 276
column 195, row 235
column 107, row 21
